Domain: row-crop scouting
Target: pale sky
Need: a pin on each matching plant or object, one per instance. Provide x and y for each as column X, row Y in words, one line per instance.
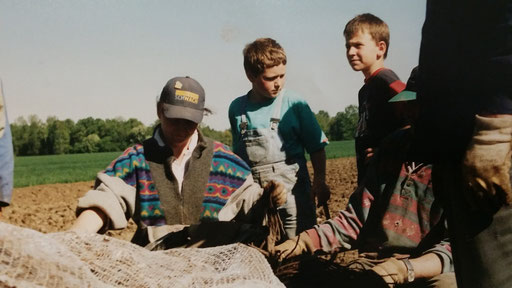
column 111, row 58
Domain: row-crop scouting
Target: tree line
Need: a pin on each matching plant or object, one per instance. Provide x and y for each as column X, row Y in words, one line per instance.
column 33, row 136
column 340, row 127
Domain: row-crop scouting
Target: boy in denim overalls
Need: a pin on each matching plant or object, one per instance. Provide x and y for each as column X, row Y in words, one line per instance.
column 272, row 128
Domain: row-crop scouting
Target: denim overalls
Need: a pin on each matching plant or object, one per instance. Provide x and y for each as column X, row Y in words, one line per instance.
column 263, row 150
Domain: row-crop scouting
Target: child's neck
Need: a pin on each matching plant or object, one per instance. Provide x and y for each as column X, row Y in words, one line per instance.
column 255, row 97
column 178, row 149
column 372, row 69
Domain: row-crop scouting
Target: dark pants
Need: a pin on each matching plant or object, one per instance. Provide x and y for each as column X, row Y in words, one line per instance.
column 456, row 81
column 481, row 241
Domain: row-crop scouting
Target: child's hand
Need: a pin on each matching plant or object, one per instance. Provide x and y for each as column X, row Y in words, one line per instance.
column 369, row 154
column 321, row 191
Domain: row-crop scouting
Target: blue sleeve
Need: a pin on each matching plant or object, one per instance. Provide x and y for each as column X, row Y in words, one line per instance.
column 233, row 114
column 312, row 136
column 6, row 165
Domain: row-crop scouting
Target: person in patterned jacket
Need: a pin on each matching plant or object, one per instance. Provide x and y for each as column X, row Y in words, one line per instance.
column 174, row 179
column 392, row 219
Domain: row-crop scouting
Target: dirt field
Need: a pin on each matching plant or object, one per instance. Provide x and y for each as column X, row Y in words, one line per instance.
column 51, row 208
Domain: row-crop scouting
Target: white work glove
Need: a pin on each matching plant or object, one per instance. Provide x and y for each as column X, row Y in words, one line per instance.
column 296, row 246
column 393, row 271
column 488, row 160
column 278, row 193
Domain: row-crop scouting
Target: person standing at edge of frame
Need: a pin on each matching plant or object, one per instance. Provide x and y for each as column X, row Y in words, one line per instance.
column 6, row 156
column 465, row 95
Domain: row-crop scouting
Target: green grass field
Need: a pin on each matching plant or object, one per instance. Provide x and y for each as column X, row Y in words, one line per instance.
column 340, row 149
column 48, row 169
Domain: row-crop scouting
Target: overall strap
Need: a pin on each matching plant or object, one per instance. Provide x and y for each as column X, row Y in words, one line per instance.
column 274, row 120
column 243, row 121
column 276, row 117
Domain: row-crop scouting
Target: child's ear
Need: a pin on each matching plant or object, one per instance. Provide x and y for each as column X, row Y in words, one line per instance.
column 159, row 110
column 382, row 47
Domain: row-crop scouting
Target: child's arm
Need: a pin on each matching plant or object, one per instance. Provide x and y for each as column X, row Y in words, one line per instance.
column 111, row 204
column 320, row 189
column 395, row 272
column 89, row 221
column 338, row 233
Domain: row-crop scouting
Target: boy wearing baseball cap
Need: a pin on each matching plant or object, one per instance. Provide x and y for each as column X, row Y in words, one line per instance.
column 177, row 177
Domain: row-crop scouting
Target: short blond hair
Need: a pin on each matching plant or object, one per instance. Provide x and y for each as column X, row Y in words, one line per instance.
column 261, row 54
column 377, row 28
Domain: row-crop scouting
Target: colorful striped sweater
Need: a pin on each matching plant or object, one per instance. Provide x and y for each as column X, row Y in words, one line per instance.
column 227, row 173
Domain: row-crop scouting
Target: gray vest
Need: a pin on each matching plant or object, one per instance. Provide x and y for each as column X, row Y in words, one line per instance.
column 179, row 208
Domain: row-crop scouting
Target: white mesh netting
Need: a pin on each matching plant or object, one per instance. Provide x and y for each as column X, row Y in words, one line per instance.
column 32, row 259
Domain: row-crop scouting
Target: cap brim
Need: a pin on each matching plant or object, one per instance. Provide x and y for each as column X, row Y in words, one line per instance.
column 194, row 115
column 403, row 96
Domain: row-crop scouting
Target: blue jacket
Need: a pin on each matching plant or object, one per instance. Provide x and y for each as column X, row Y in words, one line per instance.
column 6, row 158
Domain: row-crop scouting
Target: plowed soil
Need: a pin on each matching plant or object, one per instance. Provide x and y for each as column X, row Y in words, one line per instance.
column 51, row 208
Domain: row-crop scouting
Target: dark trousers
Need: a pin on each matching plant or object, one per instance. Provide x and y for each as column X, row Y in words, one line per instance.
column 481, row 241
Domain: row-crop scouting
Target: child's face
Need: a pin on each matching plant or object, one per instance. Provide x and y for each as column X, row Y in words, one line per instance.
column 363, row 53
column 269, row 83
column 176, row 131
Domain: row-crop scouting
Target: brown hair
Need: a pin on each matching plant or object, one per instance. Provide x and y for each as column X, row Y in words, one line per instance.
column 261, row 54
column 377, row 28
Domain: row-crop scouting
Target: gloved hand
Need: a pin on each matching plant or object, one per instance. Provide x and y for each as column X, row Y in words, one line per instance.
column 393, row 272
column 296, row 246
column 278, row 193
column 487, row 161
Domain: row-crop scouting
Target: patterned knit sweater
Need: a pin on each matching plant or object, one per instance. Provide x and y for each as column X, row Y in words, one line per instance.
column 227, row 173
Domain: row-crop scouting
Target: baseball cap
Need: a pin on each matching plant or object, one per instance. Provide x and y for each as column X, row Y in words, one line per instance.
column 183, row 97
column 409, row 93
